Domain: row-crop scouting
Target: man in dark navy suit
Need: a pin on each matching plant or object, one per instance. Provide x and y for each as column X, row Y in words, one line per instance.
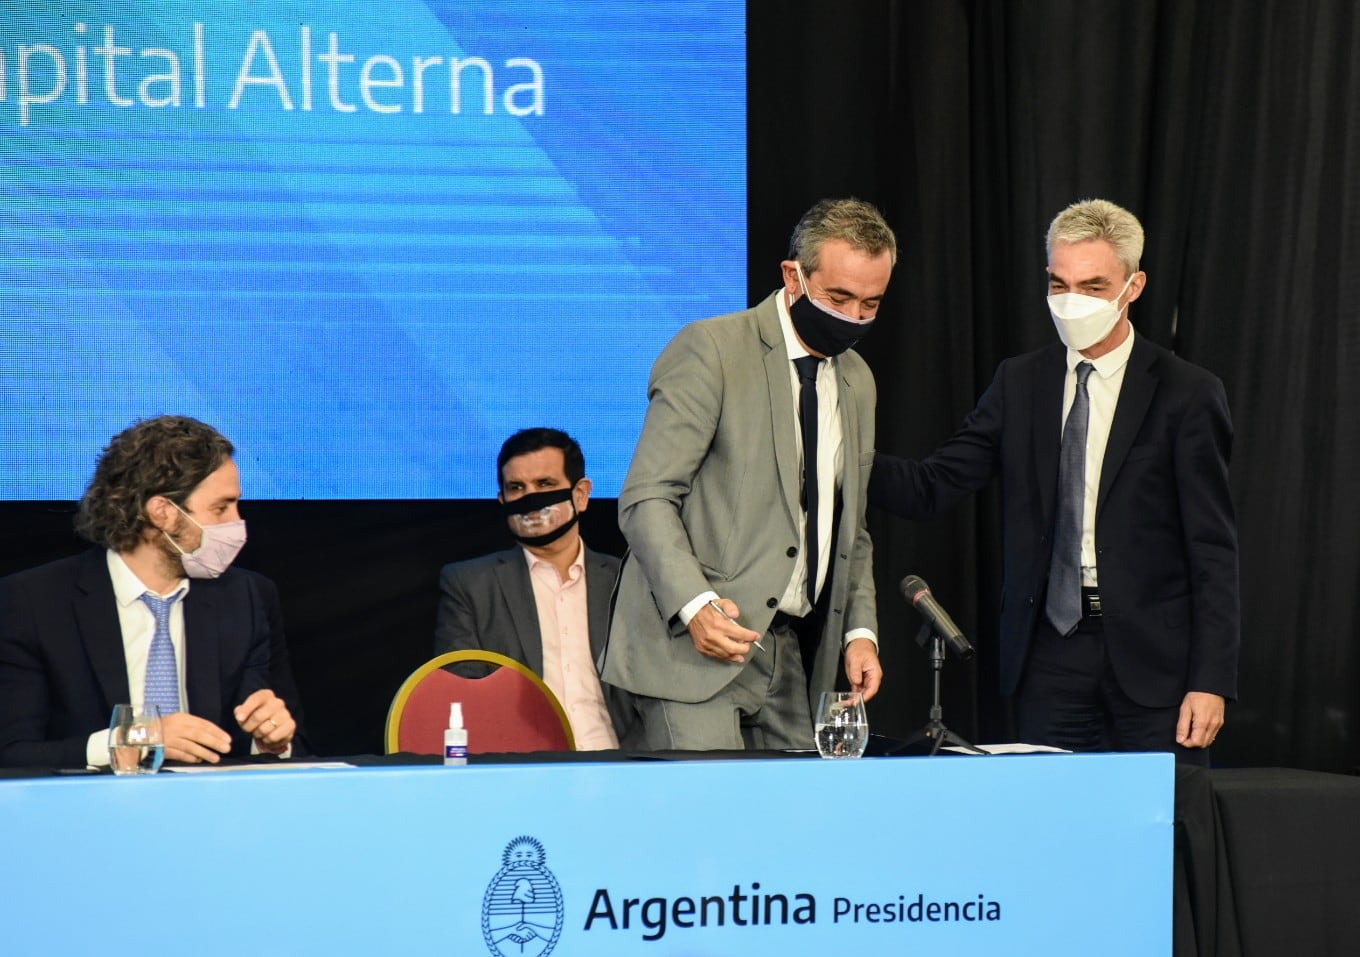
column 1119, row 615
column 154, row 614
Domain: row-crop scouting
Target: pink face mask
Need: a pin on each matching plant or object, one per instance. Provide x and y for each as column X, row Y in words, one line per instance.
column 220, row 545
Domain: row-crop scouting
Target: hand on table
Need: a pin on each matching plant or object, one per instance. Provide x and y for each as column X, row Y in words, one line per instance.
column 192, row 739
column 265, row 717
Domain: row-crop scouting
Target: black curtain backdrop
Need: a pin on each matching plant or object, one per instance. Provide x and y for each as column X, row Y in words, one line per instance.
column 1231, row 129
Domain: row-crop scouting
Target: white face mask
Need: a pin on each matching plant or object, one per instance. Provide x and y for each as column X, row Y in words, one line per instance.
column 220, row 545
column 1083, row 321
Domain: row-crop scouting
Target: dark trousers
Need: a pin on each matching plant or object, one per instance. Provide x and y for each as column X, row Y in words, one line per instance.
column 1069, row 698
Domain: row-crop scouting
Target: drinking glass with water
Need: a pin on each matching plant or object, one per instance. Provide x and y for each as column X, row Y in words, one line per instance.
column 136, row 744
column 842, row 728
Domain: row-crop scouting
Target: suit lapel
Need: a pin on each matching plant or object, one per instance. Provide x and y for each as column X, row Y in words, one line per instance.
column 1135, row 395
column 1047, row 425
column 849, row 412
column 202, row 650
column 782, row 418
column 597, row 603
column 517, row 591
column 96, row 612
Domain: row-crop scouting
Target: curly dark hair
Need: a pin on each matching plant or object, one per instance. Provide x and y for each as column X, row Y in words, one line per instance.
column 169, row 455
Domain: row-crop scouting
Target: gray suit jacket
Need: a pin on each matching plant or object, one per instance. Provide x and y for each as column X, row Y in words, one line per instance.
column 711, row 499
column 487, row 603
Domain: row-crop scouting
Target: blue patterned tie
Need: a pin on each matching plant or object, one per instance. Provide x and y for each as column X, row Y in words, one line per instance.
column 162, row 674
column 1063, row 606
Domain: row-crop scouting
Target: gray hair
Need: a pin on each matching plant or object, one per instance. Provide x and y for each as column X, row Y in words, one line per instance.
column 852, row 220
column 1100, row 219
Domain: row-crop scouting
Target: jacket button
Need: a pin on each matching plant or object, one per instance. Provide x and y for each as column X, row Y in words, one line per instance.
column 771, row 602
column 791, row 552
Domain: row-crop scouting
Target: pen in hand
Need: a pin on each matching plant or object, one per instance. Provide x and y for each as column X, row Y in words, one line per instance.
column 713, row 603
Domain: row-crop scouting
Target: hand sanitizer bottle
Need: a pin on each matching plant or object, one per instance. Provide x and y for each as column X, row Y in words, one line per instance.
column 455, row 738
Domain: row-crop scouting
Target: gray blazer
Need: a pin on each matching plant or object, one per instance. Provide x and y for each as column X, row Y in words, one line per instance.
column 710, row 503
column 487, row 603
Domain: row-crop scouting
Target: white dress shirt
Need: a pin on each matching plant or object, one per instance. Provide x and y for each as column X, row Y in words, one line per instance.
column 1103, row 387
column 830, row 459
column 138, row 626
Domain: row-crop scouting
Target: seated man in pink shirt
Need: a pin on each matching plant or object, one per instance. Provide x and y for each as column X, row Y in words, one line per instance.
column 544, row 602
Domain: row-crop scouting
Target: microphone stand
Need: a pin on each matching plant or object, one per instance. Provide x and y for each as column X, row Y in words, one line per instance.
column 934, row 729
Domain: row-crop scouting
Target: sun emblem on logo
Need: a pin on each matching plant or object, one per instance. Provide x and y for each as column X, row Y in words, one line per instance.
column 522, row 911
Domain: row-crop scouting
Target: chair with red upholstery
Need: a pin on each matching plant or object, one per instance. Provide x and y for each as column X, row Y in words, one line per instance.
column 508, row 710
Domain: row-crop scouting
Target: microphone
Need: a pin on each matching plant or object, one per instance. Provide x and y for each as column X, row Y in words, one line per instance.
column 916, row 591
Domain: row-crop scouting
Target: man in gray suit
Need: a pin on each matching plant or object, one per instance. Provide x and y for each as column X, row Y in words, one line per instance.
column 545, row 602
column 749, row 575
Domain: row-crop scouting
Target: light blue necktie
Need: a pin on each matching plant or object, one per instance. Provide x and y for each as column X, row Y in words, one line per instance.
column 1063, row 606
column 162, row 674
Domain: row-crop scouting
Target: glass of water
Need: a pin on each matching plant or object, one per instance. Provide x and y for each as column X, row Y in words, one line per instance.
column 136, row 745
column 841, row 725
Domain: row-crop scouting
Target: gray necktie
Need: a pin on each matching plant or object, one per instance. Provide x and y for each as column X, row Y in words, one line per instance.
column 1064, row 574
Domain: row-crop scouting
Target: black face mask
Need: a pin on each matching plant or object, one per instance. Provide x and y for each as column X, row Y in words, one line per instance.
column 535, row 501
column 820, row 328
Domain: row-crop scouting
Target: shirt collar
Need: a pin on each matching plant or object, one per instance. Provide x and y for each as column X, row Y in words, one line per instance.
column 1108, row 364
column 577, row 563
column 127, row 587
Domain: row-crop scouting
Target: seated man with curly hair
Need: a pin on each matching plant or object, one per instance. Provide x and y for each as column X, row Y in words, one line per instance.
column 153, row 615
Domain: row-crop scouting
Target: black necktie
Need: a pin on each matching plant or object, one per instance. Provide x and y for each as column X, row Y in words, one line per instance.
column 807, row 418
column 1064, row 576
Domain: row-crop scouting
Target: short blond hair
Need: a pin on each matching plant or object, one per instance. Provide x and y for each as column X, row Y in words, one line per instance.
column 1092, row 219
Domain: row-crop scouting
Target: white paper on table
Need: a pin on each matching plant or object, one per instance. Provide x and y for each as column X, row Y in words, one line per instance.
column 1014, row 748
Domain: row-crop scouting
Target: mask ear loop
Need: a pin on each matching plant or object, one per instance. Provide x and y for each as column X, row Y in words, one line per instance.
column 1127, row 283
column 185, row 514
column 171, row 540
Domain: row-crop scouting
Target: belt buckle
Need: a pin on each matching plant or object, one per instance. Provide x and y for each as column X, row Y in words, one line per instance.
column 1093, row 606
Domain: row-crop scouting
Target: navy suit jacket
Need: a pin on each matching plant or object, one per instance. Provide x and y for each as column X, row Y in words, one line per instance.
column 488, row 603
column 62, row 667
column 1166, row 539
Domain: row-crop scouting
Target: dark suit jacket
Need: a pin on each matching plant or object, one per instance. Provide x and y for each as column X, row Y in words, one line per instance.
column 487, row 603
column 62, row 667
column 1166, row 539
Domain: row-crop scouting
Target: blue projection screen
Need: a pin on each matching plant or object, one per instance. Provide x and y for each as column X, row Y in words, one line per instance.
column 365, row 240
